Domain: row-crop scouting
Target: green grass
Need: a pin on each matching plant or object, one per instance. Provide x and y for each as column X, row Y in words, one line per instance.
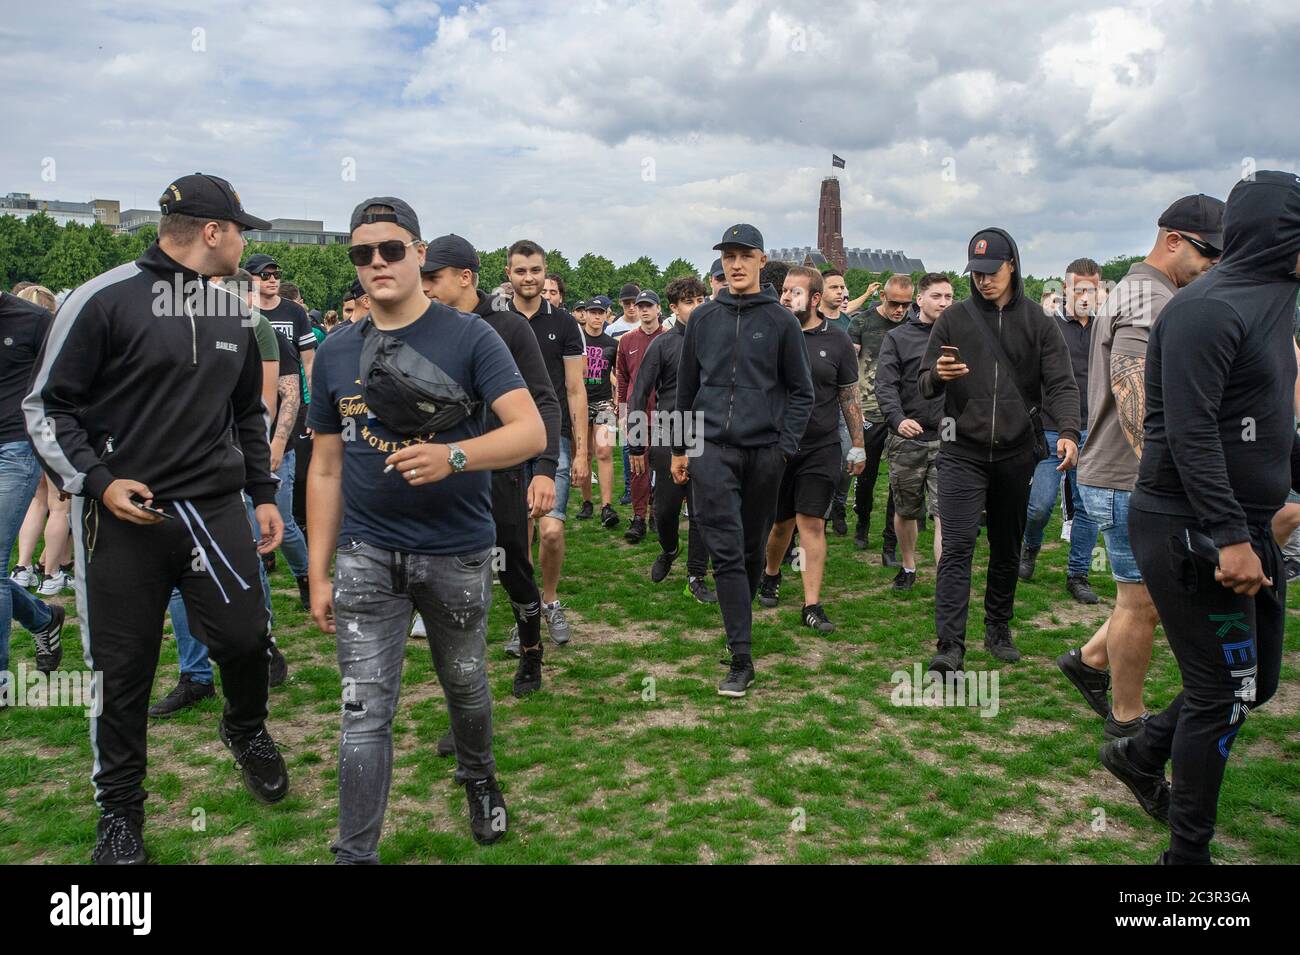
column 816, row 765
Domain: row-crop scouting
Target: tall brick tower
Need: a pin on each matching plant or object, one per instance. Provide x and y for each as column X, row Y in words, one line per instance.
column 830, row 235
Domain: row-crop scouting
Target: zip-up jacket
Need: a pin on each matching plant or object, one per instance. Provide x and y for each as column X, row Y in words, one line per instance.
column 658, row 377
column 1220, row 373
column 744, row 368
column 991, row 421
column 150, row 373
column 521, row 341
column 897, row 369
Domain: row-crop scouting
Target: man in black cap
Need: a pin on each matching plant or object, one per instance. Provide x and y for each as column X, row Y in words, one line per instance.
column 356, row 305
column 288, row 318
column 744, row 395
column 628, row 320
column 632, row 348
column 996, row 359
column 134, row 410
column 450, row 276
column 717, row 278
column 1219, row 454
column 400, row 500
column 602, row 408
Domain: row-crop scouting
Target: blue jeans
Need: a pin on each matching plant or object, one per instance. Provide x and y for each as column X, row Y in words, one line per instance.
column 1043, row 491
column 19, row 476
column 294, row 545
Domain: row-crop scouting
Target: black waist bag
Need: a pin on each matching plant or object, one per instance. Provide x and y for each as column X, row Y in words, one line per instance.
column 407, row 392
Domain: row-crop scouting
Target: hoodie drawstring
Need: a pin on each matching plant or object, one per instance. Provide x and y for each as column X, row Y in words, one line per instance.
column 203, row 552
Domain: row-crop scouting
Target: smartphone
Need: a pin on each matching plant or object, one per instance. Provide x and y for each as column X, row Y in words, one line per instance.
column 951, row 351
column 152, row 510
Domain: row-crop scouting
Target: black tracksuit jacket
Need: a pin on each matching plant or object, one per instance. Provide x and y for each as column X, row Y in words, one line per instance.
column 897, row 369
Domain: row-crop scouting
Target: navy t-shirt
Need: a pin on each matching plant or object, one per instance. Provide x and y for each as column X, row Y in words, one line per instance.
column 451, row 516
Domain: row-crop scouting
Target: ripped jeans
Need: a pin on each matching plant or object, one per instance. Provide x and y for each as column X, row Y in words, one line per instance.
column 375, row 591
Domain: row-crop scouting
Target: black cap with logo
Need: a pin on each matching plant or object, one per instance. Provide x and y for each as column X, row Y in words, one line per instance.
column 647, row 295
column 600, row 303
column 354, row 291
column 741, row 234
column 1200, row 213
column 259, row 263
column 207, row 197
column 987, row 251
column 450, row 251
column 402, row 214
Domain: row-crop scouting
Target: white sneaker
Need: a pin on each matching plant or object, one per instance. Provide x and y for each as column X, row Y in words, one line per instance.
column 52, row 585
column 417, row 628
column 25, row 577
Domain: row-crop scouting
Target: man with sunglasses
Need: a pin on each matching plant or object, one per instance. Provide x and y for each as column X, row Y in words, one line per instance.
column 407, row 515
column 288, row 318
column 1116, row 659
column 867, row 332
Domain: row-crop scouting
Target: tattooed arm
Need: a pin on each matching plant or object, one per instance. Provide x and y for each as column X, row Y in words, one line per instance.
column 851, row 408
column 1128, row 382
column 290, row 400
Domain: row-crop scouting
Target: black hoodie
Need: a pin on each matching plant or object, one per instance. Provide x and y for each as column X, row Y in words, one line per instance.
column 744, row 368
column 1220, row 373
column 897, row 369
column 991, row 421
column 521, row 341
column 150, row 373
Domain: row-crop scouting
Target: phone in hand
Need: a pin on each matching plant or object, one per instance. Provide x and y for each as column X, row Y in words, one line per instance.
column 950, row 351
column 139, row 502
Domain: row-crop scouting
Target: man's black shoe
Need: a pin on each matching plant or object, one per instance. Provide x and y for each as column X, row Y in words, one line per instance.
column 950, row 659
column 904, row 579
column 998, row 642
column 304, row 594
column 488, row 820
column 528, row 675
column 860, row 536
column 815, row 617
column 889, row 556
column 584, row 512
column 1114, row 729
column 1028, row 558
column 265, row 775
column 698, row 588
column 1093, row 684
column 277, row 670
column 119, row 838
column 769, row 589
column 739, row 676
column 839, row 526
column 185, row 695
column 608, row 516
column 446, row 745
column 635, row 531
column 49, row 642
column 1150, row 789
column 663, row 563
column 1080, row 590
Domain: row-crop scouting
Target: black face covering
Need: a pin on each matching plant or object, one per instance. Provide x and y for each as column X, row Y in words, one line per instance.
column 407, row 392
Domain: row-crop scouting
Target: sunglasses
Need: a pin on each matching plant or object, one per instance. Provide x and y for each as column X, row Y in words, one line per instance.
column 892, row 304
column 270, row 274
column 390, row 250
column 1201, row 246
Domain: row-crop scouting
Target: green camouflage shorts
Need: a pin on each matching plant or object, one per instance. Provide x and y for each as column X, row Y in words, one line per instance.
column 913, row 477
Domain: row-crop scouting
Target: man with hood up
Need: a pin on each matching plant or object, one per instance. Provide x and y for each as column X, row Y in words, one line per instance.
column 743, row 375
column 1219, row 451
column 1011, row 360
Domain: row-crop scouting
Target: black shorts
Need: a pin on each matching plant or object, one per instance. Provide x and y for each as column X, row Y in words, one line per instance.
column 809, row 482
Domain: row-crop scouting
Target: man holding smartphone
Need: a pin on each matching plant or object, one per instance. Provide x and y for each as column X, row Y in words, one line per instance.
column 135, row 407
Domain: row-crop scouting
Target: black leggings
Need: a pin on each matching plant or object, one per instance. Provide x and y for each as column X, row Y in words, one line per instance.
column 510, row 511
column 668, row 499
column 1229, row 650
column 864, row 500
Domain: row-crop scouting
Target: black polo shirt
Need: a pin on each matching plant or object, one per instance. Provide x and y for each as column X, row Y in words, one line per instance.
column 1078, row 339
column 560, row 340
column 834, row 366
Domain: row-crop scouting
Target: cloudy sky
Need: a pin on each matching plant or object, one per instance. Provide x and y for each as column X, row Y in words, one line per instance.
column 647, row 128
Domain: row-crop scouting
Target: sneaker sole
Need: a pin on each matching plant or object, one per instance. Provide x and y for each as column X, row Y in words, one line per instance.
column 1104, row 756
column 734, row 694
column 768, row 602
column 513, row 652
column 1078, row 685
column 1001, row 658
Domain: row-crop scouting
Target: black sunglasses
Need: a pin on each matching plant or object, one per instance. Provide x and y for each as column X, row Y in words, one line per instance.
column 892, row 304
column 390, row 250
column 270, row 274
column 1201, row 246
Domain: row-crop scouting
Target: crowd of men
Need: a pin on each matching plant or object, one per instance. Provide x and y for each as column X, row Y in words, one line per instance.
column 389, row 456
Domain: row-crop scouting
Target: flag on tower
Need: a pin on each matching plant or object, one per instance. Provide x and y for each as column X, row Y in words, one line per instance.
column 836, row 162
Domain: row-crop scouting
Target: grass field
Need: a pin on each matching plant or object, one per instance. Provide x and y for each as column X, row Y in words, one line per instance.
column 628, row 755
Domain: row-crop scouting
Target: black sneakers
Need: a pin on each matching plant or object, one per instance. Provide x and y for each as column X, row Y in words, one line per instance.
column 815, row 618
column 488, row 820
column 839, row 526
column 49, row 642
column 608, row 516
column 446, row 745
column 697, row 587
column 904, row 579
column 769, row 589
column 304, row 594
column 860, row 536
column 635, row 531
column 1150, row 789
column 950, row 659
column 1028, row 558
column 584, row 512
column 1080, row 589
column 889, row 555
column 1114, row 729
column 186, row 694
column 739, row 676
column 998, row 642
column 528, row 675
column 1093, row 684
column 119, row 839
column 278, row 669
column 265, row 775
column 663, row 563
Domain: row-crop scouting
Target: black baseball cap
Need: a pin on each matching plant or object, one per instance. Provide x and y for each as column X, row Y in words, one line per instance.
column 1200, row 213
column 741, row 234
column 647, row 295
column 355, row 291
column 402, row 214
column 630, row 290
column 600, row 303
column 987, row 251
column 259, row 263
column 207, row 197
column 716, row 270
column 580, row 306
column 450, row 251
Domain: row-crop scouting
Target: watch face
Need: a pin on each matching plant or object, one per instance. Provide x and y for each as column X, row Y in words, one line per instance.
column 458, row 458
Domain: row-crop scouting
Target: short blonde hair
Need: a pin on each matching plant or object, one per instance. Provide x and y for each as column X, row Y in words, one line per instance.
column 40, row 295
